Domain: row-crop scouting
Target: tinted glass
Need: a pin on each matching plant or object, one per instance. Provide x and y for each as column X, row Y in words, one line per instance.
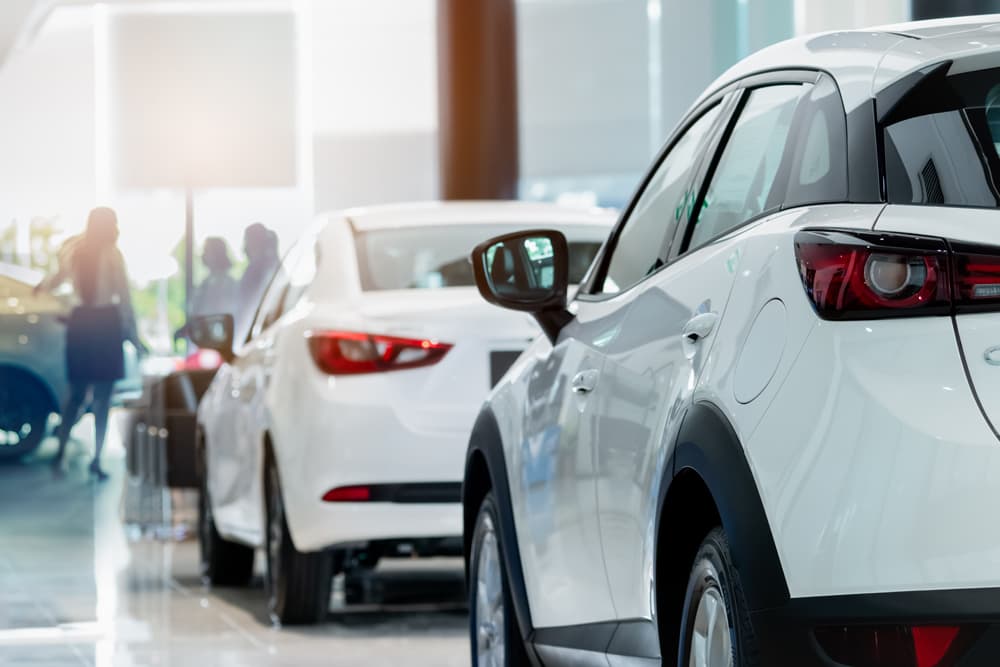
column 817, row 161
column 741, row 186
column 437, row 257
column 950, row 157
column 640, row 247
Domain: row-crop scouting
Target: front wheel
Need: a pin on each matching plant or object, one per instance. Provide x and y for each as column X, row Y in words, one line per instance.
column 24, row 414
column 715, row 630
column 298, row 584
column 496, row 641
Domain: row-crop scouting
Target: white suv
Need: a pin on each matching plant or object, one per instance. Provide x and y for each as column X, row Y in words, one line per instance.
column 765, row 430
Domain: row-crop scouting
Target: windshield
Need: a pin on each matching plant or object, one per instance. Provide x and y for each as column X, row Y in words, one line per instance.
column 436, row 257
column 947, row 154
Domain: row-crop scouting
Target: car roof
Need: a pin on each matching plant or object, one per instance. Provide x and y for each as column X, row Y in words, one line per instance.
column 391, row 216
column 864, row 62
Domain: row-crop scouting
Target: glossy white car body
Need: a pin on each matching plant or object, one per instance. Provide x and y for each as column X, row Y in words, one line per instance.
column 869, row 445
column 399, row 427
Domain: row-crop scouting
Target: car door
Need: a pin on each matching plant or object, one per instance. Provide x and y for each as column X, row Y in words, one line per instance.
column 556, row 506
column 652, row 366
column 236, row 434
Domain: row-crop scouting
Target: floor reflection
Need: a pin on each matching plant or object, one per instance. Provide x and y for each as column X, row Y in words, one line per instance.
column 74, row 590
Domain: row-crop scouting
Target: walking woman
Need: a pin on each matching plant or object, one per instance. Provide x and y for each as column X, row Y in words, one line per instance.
column 96, row 328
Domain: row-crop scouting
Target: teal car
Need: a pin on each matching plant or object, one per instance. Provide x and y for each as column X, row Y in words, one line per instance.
column 32, row 361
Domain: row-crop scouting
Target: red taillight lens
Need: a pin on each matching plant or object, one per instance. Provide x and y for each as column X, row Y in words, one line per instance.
column 348, row 494
column 850, row 275
column 931, row 644
column 897, row 645
column 977, row 277
column 351, row 353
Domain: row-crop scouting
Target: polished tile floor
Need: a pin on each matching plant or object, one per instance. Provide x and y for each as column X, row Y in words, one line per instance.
column 78, row 588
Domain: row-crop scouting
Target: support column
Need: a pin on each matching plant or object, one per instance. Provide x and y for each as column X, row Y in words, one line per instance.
column 933, row 9
column 477, row 99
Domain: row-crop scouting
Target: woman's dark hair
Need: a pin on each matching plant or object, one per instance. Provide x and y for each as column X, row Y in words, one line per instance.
column 101, row 234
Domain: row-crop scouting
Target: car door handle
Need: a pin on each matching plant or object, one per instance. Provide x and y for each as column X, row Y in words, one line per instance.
column 700, row 326
column 584, row 382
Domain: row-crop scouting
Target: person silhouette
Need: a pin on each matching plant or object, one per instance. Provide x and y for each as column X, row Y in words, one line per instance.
column 261, row 247
column 96, row 327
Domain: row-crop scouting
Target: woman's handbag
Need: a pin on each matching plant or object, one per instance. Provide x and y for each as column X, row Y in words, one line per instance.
column 94, row 337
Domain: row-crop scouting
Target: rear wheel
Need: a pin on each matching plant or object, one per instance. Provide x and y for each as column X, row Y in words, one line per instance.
column 298, row 584
column 716, row 630
column 223, row 563
column 496, row 640
column 24, row 414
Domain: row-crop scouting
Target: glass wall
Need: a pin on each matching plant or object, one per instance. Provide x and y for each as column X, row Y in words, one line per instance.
column 602, row 82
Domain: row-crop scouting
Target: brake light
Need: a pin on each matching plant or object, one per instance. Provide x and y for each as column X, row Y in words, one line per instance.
column 348, row 494
column 897, row 645
column 352, row 353
column 977, row 277
column 851, row 275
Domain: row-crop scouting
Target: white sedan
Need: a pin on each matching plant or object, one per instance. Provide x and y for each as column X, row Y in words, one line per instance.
column 336, row 433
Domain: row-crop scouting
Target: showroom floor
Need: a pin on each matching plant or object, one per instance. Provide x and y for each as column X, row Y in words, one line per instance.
column 76, row 589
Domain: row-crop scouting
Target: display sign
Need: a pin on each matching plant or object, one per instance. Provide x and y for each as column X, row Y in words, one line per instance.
column 202, row 100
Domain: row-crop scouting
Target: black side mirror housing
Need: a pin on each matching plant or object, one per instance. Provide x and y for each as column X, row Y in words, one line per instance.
column 213, row 332
column 527, row 271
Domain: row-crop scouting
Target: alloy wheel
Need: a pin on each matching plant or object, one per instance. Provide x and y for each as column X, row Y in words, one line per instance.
column 711, row 640
column 490, row 649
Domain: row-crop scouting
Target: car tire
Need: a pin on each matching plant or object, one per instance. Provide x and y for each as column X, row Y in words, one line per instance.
column 223, row 563
column 298, row 584
column 495, row 637
column 24, row 414
column 715, row 623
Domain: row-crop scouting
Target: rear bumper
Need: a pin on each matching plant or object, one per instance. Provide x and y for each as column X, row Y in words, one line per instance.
column 787, row 635
column 325, row 525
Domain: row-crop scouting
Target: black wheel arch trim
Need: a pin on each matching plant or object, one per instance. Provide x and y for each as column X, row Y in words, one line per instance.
column 708, row 445
column 485, row 441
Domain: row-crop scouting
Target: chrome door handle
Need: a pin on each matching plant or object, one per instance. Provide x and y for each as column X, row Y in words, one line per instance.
column 584, row 382
column 700, row 326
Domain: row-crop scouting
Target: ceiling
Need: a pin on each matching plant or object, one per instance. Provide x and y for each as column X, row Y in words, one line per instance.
column 20, row 20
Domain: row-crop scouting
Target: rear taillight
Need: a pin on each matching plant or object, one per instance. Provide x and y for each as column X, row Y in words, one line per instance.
column 850, row 275
column 348, row 494
column 864, row 275
column 977, row 277
column 352, row 353
column 897, row 645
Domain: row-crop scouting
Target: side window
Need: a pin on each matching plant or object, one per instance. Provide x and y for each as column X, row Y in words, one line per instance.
column 290, row 281
column 639, row 249
column 817, row 170
column 271, row 303
column 741, row 186
column 302, row 275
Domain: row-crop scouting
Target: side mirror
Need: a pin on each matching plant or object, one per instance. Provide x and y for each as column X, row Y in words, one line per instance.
column 213, row 332
column 526, row 271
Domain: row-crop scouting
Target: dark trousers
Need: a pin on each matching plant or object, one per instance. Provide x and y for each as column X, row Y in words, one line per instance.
column 99, row 394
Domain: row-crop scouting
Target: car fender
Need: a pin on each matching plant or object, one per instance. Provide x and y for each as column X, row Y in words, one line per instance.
column 708, row 445
column 486, row 441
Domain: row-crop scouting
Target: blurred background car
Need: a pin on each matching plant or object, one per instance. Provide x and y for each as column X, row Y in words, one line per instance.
column 334, row 435
column 32, row 365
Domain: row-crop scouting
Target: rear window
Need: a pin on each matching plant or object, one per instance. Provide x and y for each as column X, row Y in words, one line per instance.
column 945, row 151
column 437, row 257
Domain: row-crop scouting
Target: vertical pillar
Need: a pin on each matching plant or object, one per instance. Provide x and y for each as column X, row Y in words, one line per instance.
column 477, row 99
column 933, row 9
